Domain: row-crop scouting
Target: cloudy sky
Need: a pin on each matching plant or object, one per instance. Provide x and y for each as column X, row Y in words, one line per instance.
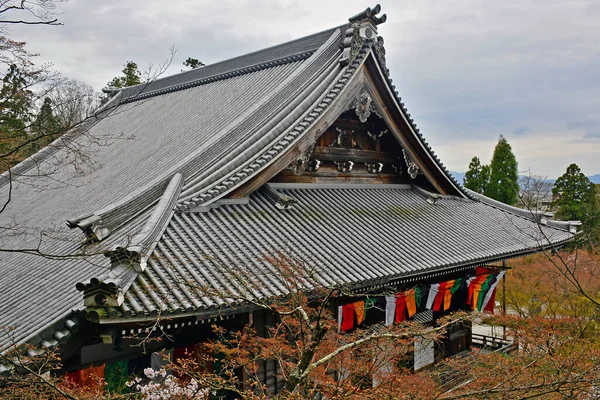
column 468, row 70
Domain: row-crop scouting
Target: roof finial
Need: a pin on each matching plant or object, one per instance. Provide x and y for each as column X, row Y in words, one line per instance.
column 370, row 13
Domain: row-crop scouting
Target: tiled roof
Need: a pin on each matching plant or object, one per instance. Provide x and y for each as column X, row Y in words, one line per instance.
column 355, row 234
column 203, row 133
column 129, row 156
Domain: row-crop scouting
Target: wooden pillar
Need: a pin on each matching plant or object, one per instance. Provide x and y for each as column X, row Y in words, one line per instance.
column 504, row 298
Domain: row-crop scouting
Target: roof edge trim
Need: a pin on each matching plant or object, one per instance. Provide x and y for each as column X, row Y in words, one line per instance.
column 142, row 243
column 379, row 61
column 221, row 76
column 129, row 260
column 99, row 224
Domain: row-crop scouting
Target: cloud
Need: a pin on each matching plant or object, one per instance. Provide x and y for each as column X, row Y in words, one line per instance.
column 521, row 130
column 467, row 70
column 592, row 136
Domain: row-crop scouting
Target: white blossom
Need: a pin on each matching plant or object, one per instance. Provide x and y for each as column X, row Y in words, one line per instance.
column 163, row 386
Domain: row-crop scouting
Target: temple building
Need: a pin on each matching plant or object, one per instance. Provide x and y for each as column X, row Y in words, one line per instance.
column 304, row 149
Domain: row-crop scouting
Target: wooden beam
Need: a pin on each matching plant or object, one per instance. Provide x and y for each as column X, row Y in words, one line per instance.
column 356, row 155
column 338, row 177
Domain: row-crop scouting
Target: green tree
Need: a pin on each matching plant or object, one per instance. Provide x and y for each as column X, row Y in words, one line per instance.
column 193, row 63
column 46, row 127
column 574, row 198
column 131, row 76
column 15, row 108
column 477, row 176
column 504, row 175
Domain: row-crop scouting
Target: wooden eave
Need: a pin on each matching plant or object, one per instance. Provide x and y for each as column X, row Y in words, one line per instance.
column 369, row 77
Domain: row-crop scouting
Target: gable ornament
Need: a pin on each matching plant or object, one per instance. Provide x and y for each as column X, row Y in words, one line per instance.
column 412, row 167
column 304, row 162
column 380, row 54
column 363, row 106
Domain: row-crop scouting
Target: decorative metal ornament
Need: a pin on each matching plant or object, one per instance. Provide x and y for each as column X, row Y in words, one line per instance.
column 377, row 136
column 356, row 44
column 374, row 168
column 380, row 54
column 303, row 162
column 344, row 166
column 412, row 167
column 313, row 165
column 364, row 106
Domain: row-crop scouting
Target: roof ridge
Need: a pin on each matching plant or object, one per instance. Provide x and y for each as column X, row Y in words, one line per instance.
column 182, row 85
column 129, row 260
column 283, row 114
column 99, row 224
column 220, row 76
column 287, row 137
column 538, row 216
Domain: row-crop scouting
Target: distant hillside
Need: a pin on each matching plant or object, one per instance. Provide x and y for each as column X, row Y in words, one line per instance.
column 460, row 175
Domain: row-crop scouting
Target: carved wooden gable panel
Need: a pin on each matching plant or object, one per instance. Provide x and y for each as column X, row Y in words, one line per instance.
column 358, row 146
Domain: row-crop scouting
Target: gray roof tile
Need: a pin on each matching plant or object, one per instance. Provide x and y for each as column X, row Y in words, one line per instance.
column 135, row 149
column 354, row 234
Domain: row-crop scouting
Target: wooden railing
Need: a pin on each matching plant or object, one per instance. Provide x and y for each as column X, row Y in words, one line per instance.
column 493, row 343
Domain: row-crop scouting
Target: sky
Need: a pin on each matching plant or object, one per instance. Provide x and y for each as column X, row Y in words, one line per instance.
column 467, row 70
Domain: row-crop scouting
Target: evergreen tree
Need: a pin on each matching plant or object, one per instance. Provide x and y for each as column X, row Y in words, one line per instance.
column 477, row 176
column 15, row 101
column 15, row 105
column 485, row 177
column 46, row 127
column 574, row 198
column 131, row 76
column 504, row 175
column 193, row 63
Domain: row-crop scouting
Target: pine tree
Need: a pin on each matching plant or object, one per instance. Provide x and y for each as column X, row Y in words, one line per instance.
column 193, row 63
column 45, row 127
column 504, row 175
column 15, row 105
column 575, row 198
column 477, row 176
column 131, row 76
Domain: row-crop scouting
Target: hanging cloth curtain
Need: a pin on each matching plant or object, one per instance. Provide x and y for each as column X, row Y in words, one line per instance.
column 92, row 376
column 411, row 303
column 348, row 315
column 485, row 286
column 489, row 307
column 440, row 297
column 492, row 293
column 369, row 304
column 433, row 290
column 418, row 295
column 74, row 377
column 116, row 377
column 450, row 292
column 474, row 287
column 390, row 309
column 359, row 309
column 400, row 308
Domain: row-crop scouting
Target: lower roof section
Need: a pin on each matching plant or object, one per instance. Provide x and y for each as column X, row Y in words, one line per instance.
column 352, row 235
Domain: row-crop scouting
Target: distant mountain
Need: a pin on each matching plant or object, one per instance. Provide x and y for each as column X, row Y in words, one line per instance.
column 595, row 179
